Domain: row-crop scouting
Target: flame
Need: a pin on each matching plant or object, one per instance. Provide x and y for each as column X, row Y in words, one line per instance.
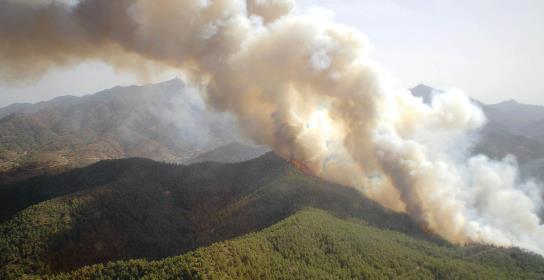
column 301, row 166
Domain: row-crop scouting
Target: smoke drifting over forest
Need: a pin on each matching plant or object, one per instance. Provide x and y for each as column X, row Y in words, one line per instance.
column 305, row 86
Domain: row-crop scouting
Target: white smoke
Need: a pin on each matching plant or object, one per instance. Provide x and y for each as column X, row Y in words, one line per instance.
column 305, row 86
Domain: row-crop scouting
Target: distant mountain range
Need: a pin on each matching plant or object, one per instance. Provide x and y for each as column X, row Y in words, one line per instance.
column 512, row 128
column 118, row 210
column 166, row 121
column 509, row 116
column 170, row 122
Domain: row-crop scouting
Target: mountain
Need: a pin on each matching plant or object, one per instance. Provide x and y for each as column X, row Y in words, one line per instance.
column 138, row 208
column 230, row 153
column 141, row 209
column 170, row 122
column 534, row 130
column 425, row 92
column 512, row 129
column 13, row 108
column 519, row 116
column 166, row 121
column 508, row 116
column 497, row 143
column 56, row 102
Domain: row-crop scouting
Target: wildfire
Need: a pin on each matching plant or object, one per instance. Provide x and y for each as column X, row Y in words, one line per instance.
column 301, row 166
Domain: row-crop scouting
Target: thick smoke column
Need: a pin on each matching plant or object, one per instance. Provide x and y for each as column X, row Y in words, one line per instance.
column 305, row 86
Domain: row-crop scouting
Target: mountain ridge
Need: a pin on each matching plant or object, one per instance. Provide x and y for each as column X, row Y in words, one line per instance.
column 165, row 121
column 155, row 210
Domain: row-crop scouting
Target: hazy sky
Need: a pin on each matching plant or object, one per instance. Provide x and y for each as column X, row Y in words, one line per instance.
column 491, row 49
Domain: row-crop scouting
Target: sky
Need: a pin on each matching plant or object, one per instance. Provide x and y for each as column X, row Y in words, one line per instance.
column 491, row 49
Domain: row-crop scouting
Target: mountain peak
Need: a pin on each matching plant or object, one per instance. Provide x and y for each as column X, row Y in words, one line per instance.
column 176, row 81
column 423, row 91
column 510, row 102
column 423, row 87
column 232, row 152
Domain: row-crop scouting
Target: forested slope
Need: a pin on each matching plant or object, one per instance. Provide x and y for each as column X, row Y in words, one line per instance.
column 314, row 244
column 137, row 208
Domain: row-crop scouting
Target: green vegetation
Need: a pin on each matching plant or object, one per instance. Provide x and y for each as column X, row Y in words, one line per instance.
column 132, row 208
column 145, row 209
column 120, row 210
column 17, row 196
column 316, row 245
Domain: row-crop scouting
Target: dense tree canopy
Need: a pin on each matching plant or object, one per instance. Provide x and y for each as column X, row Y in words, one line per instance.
column 130, row 209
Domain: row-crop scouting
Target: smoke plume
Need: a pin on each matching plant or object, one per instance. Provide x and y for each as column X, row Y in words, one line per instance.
column 305, row 86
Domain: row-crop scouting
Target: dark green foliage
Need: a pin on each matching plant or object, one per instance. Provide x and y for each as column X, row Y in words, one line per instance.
column 315, row 245
column 17, row 196
column 143, row 209
column 135, row 208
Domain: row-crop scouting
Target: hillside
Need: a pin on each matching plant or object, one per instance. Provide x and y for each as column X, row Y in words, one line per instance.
column 165, row 121
column 137, row 208
column 519, row 116
column 497, row 143
column 230, row 153
column 314, row 244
